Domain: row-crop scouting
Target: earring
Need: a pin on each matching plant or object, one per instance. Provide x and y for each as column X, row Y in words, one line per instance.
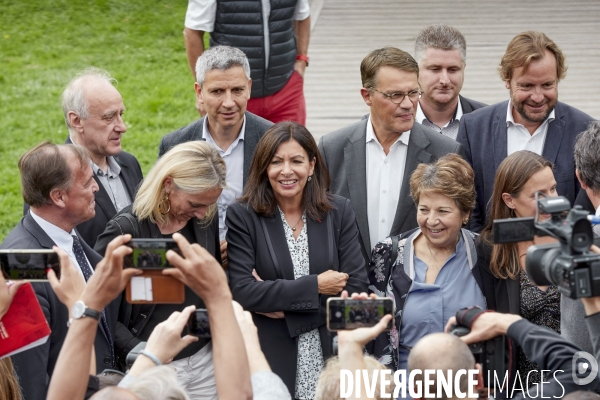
column 161, row 205
column 465, row 221
column 309, row 178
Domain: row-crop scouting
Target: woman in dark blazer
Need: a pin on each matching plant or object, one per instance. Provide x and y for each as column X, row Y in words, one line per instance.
column 179, row 194
column 290, row 247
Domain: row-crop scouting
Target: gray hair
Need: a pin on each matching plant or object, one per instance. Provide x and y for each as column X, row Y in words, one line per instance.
column 158, row 383
column 73, row 98
column 587, row 156
column 222, row 58
column 442, row 37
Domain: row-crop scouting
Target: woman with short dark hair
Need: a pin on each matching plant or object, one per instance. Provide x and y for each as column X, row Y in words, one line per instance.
column 291, row 245
column 430, row 273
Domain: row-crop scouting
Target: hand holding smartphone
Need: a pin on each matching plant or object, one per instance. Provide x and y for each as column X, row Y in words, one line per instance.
column 346, row 314
column 29, row 264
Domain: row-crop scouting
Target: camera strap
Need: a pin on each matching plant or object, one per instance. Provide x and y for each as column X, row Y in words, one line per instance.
column 466, row 316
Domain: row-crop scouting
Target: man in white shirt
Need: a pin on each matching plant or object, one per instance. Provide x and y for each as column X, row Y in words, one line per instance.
column 532, row 119
column 370, row 162
column 58, row 184
column 223, row 88
column 273, row 34
column 441, row 52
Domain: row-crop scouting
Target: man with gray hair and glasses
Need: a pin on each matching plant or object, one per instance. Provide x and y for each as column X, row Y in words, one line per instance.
column 223, row 87
column 370, row 162
column 441, row 52
column 93, row 110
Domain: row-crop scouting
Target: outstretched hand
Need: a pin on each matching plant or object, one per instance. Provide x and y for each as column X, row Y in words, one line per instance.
column 165, row 341
column 362, row 336
column 486, row 326
column 71, row 284
column 109, row 279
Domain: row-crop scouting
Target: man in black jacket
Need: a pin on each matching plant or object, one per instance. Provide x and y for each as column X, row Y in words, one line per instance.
column 547, row 349
column 93, row 111
column 223, row 88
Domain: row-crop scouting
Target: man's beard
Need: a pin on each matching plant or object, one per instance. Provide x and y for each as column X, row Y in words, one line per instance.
column 520, row 107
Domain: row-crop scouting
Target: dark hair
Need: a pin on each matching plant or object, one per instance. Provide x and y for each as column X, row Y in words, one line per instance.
column 258, row 192
column 45, row 168
column 527, row 47
column 385, row 57
column 587, row 156
column 451, row 176
column 512, row 174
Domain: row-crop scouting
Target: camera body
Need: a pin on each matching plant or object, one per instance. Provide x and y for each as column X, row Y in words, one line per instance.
column 567, row 264
column 491, row 354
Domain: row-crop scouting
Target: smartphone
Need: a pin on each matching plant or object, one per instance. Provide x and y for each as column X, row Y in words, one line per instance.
column 198, row 324
column 149, row 253
column 345, row 314
column 29, row 264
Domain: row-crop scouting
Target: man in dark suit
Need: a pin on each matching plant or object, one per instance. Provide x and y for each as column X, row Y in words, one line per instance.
column 93, row 110
column 58, row 184
column 441, row 52
column 223, row 89
column 386, row 148
column 532, row 119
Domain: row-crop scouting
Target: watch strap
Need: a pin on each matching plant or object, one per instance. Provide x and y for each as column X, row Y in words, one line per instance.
column 303, row 57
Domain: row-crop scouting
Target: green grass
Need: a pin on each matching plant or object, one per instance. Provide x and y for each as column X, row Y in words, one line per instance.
column 44, row 43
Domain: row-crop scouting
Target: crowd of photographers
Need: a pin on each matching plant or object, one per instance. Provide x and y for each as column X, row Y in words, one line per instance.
column 508, row 304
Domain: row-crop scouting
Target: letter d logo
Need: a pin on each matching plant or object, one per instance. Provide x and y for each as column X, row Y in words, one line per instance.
column 580, row 367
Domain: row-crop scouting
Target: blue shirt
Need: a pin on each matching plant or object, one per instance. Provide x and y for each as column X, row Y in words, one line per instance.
column 428, row 307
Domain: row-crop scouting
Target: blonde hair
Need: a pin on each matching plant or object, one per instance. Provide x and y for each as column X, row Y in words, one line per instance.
column 9, row 385
column 328, row 385
column 195, row 167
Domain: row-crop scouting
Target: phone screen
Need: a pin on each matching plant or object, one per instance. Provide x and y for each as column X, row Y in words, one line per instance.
column 351, row 314
column 30, row 265
column 198, row 324
column 150, row 253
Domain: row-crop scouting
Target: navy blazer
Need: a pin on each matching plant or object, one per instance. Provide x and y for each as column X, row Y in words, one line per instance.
column 483, row 134
column 255, row 129
column 257, row 242
column 34, row 367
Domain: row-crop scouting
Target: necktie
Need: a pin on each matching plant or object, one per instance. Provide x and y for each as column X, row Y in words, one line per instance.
column 87, row 274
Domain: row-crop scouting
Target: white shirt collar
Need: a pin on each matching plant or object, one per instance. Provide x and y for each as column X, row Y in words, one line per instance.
column 420, row 115
column 208, row 137
column 372, row 137
column 511, row 121
column 60, row 237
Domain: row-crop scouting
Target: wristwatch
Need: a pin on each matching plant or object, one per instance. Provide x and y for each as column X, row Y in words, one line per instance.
column 80, row 310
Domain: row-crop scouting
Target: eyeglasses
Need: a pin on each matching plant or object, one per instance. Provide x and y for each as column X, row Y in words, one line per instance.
column 398, row 97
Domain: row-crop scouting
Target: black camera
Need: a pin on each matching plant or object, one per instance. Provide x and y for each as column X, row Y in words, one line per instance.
column 568, row 264
column 492, row 354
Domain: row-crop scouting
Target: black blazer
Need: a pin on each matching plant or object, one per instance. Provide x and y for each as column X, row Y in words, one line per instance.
column 131, row 173
column 469, row 105
column 255, row 128
column 133, row 318
column 256, row 242
column 34, row 367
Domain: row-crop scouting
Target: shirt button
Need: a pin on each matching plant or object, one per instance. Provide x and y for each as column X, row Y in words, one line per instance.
column 293, row 307
column 382, row 219
column 303, row 329
column 297, row 331
column 309, row 304
column 385, row 161
column 384, row 190
column 106, row 360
